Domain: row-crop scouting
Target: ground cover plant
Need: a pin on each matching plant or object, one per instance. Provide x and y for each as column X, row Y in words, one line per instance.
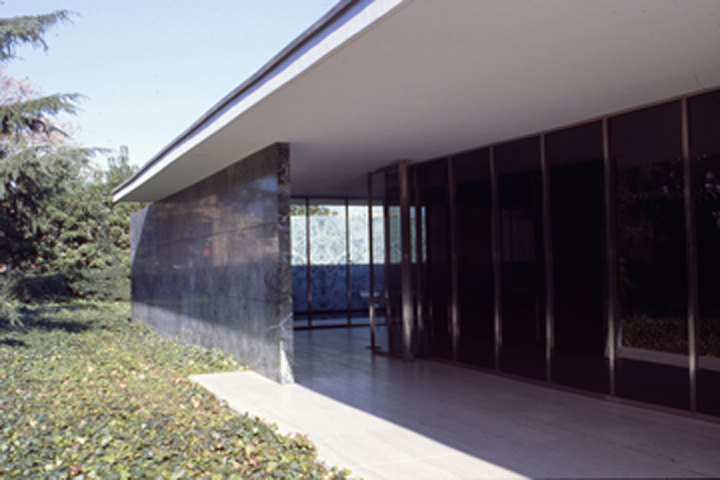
column 85, row 393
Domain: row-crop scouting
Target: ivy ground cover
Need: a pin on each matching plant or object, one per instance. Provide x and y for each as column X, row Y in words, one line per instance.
column 85, row 393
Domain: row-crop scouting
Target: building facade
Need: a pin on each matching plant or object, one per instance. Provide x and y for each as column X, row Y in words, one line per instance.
column 540, row 184
column 586, row 256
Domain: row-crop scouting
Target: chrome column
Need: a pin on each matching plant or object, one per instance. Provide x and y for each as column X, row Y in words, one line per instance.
column 347, row 262
column 454, row 289
column 547, row 248
column 406, row 266
column 307, row 250
column 611, row 250
column 692, row 266
column 496, row 259
column 419, row 307
column 371, row 295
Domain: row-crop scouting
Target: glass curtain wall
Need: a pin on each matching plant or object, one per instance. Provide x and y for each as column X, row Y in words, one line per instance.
column 646, row 148
column 359, row 260
column 300, row 266
column 575, row 161
column 419, row 262
column 588, row 257
column 393, row 272
column 473, row 209
column 433, row 198
column 377, row 264
column 388, row 262
column 417, row 272
column 521, row 252
column 330, row 262
column 704, row 123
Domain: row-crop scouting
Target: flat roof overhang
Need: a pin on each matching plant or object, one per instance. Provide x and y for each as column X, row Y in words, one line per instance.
column 377, row 81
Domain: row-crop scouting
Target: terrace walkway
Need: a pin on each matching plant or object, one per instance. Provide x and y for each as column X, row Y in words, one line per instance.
column 385, row 418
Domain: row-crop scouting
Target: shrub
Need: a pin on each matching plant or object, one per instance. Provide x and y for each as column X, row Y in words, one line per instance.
column 109, row 284
column 39, row 288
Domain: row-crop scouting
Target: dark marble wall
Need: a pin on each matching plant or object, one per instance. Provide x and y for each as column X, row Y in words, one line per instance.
column 211, row 264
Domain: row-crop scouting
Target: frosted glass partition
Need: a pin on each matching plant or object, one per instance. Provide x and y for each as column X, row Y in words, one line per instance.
column 328, row 262
column 359, row 259
column 378, row 261
column 298, row 235
column 331, row 262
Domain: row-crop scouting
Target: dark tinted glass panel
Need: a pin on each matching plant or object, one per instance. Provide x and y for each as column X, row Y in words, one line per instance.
column 652, row 352
column 575, row 159
column 474, row 250
column 433, row 181
column 704, row 112
column 394, row 255
column 522, row 287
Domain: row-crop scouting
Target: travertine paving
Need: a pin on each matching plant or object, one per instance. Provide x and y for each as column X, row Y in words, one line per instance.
column 385, row 418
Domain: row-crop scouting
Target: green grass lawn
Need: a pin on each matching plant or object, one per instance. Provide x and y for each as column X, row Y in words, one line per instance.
column 85, row 393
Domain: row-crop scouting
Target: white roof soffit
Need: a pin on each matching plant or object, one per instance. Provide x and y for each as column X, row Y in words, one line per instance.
column 378, row 81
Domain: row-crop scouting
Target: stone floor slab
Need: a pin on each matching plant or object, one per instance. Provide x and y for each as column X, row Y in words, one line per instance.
column 386, row 418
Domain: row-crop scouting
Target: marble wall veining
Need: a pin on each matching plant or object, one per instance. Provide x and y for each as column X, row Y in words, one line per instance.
column 211, row 264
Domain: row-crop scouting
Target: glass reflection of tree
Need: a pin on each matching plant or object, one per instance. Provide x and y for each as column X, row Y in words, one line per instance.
column 707, row 201
column 651, row 256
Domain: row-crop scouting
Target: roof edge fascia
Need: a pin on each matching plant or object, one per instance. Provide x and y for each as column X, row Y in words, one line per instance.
column 312, row 38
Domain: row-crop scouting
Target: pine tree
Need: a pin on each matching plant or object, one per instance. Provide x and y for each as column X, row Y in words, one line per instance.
column 59, row 230
column 26, row 30
column 29, row 117
column 89, row 237
column 34, row 161
column 36, row 164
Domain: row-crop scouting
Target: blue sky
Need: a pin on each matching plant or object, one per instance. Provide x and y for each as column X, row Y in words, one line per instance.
column 150, row 68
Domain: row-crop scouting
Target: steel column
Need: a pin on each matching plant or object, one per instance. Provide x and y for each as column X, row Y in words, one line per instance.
column 406, row 267
column 371, row 296
column 547, row 247
column 454, row 295
column 386, row 237
column 496, row 259
column 612, row 267
column 692, row 265
column 307, row 250
column 419, row 311
column 347, row 262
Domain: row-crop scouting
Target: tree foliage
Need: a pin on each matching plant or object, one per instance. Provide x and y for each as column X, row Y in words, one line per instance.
column 26, row 30
column 36, row 163
column 88, row 238
column 60, row 234
column 31, row 180
column 28, row 116
column 27, row 119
